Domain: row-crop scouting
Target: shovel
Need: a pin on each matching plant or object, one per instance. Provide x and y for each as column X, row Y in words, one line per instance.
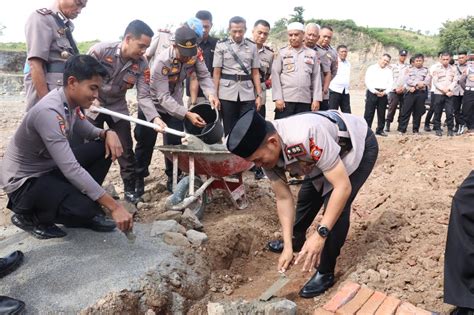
column 193, row 141
column 275, row 287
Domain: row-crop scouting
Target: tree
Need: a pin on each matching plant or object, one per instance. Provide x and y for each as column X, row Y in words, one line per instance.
column 2, row 27
column 298, row 15
column 457, row 35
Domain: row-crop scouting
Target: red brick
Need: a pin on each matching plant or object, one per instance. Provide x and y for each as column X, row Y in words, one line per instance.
column 410, row 309
column 372, row 304
column 389, row 306
column 351, row 307
column 322, row 311
column 344, row 295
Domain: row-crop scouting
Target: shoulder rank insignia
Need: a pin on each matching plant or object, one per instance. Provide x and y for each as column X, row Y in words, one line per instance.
column 80, row 114
column 315, row 151
column 295, row 150
column 268, row 48
column 44, row 11
column 62, row 125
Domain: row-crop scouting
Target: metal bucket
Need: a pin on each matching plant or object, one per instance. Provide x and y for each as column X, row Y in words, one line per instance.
column 213, row 131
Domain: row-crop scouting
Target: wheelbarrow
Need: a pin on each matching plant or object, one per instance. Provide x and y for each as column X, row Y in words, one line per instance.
column 210, row 170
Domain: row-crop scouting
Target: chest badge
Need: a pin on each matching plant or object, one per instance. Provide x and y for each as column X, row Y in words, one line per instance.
column 294, row 151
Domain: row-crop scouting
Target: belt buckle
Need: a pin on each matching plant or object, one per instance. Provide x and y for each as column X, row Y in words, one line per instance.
column 239, row 77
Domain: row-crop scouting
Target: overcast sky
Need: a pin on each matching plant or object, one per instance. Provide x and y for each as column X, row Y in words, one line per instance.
column 106, row 19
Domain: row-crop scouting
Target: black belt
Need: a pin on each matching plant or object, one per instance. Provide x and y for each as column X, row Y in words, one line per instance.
column 236, row 77
column 56, row 67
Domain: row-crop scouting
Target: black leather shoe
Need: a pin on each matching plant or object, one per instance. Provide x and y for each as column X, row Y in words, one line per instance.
column 276, row 246
column 450, row 133
column 140, row 186
column 132, row 197
column 318, row 284
column 381, row 133
column 427, row 128
column 9, row 263
column 439, row 133
column 46, row 231
column 24, row 222
column 387, row 127
column 11, row 306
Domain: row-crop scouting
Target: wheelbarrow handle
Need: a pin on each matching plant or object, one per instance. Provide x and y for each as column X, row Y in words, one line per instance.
column 142, row 122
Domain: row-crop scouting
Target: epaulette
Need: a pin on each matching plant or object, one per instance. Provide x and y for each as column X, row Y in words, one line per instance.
column 248, row 39
column 44, row 11
column 268, row 48
column 223, row 40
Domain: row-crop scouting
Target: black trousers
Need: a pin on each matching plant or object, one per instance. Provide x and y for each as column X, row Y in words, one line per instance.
column 341, row 100
column 457, row 109
column 430, row 113
column 231, row 112
column 443, row 102
column 146, row 139
column 414, row 104
column 51, row 198
column 373, row 103
column 468, row 108
column 394, row 100
column 292, row 108
column 124, row 132
column 324, row 105
column 310, row 202
column 263, row 111
column 459, row 254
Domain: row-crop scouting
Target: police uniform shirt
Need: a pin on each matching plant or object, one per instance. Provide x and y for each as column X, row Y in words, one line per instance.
column 122, row 77
column 430, row 71
column 326, row 65
column 265, row 55
column 232, row 90
column 160, row 42
column 313, row 148
column 46, row 40
column 168, row 74
column 399, row 71
column 416, row 75
column 296, row 76
column 458, row 90
column 444, row 78
column 41, row 145
column 467, row 79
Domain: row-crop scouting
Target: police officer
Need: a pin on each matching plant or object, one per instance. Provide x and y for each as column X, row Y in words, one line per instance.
column 207, row 47
column 458, row 281
column 337, row 152
column 49, row 182
column 444, row 81
column 49, row 44
column 236, row 74
column 430, row 113
column 127, row 68
column 169, row 71
column 324, row 48
column 396, row 95
column 467, row 83
column 295, row 76
column 416, row 81
column 461, row 65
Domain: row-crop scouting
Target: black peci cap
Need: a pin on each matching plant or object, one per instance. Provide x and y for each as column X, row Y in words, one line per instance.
column 247, row 134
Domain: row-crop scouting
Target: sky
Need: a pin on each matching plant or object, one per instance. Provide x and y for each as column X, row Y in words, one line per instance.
column 106, row 20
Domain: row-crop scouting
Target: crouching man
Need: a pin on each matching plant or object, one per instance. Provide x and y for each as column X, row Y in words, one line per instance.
column 49, row 182
column 336, row 152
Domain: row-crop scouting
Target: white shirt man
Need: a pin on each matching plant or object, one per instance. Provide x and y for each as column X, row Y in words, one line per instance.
column 339, row 86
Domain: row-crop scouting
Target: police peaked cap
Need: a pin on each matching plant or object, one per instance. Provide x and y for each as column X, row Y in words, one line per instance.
column 247, row 134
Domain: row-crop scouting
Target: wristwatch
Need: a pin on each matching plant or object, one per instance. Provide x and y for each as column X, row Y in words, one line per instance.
column 323, row 230
column 259, row 95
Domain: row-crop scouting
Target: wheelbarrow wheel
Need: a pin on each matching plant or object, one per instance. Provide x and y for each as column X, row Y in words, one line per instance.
column 182, row 191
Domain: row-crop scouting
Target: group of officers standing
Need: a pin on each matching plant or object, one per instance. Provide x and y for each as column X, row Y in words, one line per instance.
column 406, row 86
column 54, row 177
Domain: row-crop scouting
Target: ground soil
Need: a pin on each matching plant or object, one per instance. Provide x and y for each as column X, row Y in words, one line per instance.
column 398, row 222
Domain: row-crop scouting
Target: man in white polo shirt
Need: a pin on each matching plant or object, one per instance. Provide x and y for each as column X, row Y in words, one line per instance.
column 339, row 86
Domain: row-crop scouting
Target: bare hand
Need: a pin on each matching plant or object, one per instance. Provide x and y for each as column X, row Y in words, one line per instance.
column 258, row 102
column 312, row 249
column 195, row 119
column 159, row 122
column 325, row 91
column 280, row 105
column 215, row 103
column 315, row 106
column 449, row 93
column 113, row 147
column 285, row 259
column 122, row 218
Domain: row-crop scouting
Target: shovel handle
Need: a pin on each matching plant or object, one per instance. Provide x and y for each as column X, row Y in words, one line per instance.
column 136, row 120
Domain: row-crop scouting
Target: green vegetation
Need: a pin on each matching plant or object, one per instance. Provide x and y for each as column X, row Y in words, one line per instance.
column 13, row 46
column 84, row 46
column 457, row 35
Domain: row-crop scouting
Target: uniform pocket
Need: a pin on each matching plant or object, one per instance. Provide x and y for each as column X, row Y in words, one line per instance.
column 129, row 81
column 63, row 43
column 224, row 82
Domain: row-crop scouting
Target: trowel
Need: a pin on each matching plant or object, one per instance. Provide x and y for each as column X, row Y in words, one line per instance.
column 194, row 142
column 275, row 287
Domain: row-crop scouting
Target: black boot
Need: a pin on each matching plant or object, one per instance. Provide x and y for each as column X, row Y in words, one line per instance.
column 11, row 306
column 318, row 284
column 129, row 193
column 140, row 186
column 9, row 263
